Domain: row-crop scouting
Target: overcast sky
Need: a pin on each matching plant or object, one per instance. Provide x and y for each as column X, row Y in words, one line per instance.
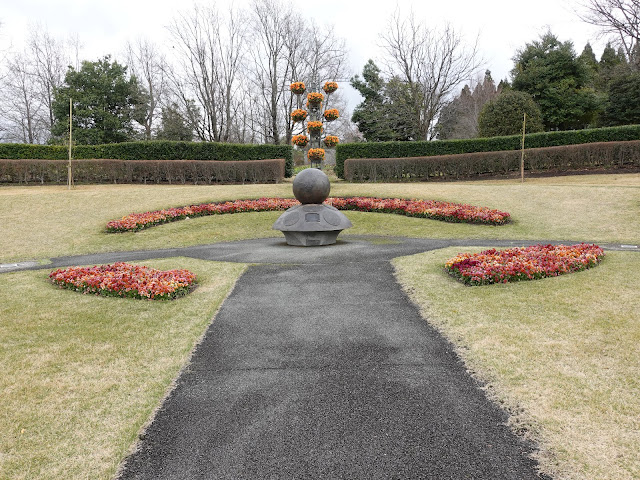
column 502, row 26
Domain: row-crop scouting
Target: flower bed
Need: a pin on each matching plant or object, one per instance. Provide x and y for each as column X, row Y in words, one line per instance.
column 449, row 212
column 125, row 280
column 525, row 263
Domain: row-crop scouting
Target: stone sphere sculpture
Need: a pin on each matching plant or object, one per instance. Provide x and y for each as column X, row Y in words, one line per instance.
column 312, row 223
column 311, row 186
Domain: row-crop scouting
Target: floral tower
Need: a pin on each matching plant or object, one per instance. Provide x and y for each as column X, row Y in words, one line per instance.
column 313, row 120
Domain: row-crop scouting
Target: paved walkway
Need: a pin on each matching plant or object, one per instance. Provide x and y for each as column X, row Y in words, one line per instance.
column 318, row 366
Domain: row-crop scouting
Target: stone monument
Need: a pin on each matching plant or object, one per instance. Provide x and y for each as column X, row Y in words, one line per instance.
column 312, row 223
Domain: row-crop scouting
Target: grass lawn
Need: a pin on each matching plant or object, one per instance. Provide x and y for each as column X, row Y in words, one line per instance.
column 84, row 373
column 42, row 222
column 561, row 354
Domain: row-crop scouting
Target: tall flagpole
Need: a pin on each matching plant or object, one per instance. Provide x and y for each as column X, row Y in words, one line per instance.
column 69, row 173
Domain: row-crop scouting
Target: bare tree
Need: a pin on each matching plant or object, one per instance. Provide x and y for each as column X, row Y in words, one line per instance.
column 50, row 62
column 20, row 106
column 431, row 63
column 620, row 18
column 288, row 48
column 274, row 29
column 459, row 118
column 149, row 66
column 209, row 53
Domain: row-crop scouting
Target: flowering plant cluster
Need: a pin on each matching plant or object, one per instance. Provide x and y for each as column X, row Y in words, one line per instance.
column 300, row 140
column 314, row 98
column 526, row 263
column 330, row 87
column 125, row 280
column 297, row 87
column 298, row 115
column 331, row 114
column 331, row 141
column 314, row 127
column 316, row 154
column 449, row 212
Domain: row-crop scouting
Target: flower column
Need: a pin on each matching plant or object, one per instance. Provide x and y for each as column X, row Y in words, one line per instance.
column 315, row 120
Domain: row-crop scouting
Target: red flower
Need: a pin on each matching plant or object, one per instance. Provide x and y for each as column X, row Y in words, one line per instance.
column 526, row 263
column 125, row 280
column 448, row 212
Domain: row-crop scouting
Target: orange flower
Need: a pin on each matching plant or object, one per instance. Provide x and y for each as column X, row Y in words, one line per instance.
column 316, row 154
column 314, row 127
column 331, row 141
column 299, row 115
column 300, row 140
column 298, row 88
column 330, row 87
column 315, row 98
column 331, row 114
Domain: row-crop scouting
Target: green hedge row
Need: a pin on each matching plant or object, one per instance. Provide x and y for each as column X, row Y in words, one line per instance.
column 154, row 150
column 142, row 171
column 567, row 158
column 494, row 144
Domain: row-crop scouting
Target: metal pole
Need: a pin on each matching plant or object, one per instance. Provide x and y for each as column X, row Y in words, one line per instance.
column 69, row 173
column 524, row 126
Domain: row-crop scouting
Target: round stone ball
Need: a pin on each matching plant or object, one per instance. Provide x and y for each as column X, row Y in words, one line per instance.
column 311, row 186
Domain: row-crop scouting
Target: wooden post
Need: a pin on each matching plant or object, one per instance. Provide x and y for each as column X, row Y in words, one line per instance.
column 524, row 126
column 69, row 172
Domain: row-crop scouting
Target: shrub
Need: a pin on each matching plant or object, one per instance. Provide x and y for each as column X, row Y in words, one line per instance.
column 142, row 171
column 450, row 167
column 154, row 150
column 504, row 114
column 494, row 144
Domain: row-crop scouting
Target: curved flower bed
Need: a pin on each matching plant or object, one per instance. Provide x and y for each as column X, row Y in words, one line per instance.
column 525, row 263
column 125, row 280
column 448, row 212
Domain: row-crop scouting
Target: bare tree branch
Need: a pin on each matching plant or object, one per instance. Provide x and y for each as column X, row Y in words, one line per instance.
column 617, row 18
column 432, row 63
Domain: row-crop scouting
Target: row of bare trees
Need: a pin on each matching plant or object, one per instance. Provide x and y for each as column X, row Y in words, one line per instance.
column 226, row 74
column 225, row 77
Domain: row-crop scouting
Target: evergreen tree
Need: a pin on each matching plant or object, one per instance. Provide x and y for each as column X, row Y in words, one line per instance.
column 104, row 102
column 384, row 114
column 173, row 126
column 623, row 104
column 504, row 115
column 552, row 74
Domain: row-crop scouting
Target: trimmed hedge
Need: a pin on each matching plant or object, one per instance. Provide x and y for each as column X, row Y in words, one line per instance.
column 494, row 144
column 451, row 167
column 154, row 150
column 142, row 171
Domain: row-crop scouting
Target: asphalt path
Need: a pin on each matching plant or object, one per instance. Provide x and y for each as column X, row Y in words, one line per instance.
column 319, row 366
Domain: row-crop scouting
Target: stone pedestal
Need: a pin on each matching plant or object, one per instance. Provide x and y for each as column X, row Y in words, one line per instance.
column 312, row 223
